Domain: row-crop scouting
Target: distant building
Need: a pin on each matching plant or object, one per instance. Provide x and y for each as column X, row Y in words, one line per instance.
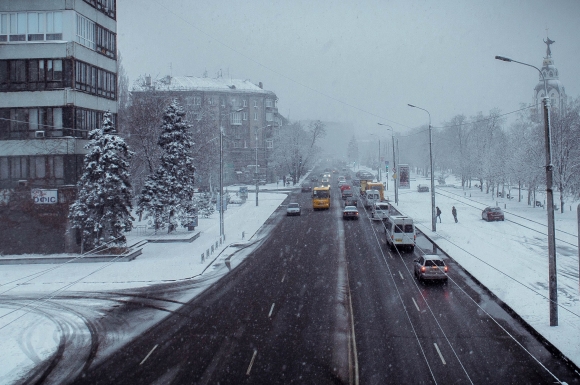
column 245, row 111
column 556, row 90
column 58, row 75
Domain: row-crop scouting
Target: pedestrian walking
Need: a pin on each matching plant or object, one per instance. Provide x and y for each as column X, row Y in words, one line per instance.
column 438, row 214
column 454, row 212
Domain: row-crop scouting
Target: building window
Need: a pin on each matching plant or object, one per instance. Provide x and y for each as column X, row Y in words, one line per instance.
column 245, row 103
column 18, row 74
column 236, row 118
column 108, row 7
column 255, row 116
column 269, row 116
column 244, row 115
column 236, row 144
column 18, row 26
column 269, row 143
column 255, row 104
column 268, row 102
column 85, row 32
column 106, row 42
column 54, row 26
column 31, row 26
column 95, row 80
column 3, row 27
column 33, row 74
column 197, row 100
column 87, row 120
column 223, row 102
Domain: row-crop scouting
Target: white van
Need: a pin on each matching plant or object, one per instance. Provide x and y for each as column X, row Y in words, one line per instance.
column 371, row 196
column 381, row 210
column 400, row 232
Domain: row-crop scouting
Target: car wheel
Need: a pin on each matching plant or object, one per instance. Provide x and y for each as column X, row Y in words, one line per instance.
column 411, row 248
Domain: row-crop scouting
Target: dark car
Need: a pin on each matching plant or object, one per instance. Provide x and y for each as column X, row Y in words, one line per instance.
column 306, row 187
column 350, row 202
column 314, row 179
column 492, row 214
column 422, row 188
column 350, row 212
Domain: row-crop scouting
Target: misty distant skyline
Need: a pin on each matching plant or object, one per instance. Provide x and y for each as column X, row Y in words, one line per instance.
column 359, row 62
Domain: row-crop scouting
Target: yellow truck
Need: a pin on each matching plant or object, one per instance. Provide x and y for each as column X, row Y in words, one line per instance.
column 376, row 186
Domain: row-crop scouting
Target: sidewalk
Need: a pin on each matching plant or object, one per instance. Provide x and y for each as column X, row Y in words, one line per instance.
column 159, row 262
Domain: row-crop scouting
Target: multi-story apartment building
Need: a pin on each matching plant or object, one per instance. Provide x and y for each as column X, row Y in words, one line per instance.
column 58, row 75
column 247, row 113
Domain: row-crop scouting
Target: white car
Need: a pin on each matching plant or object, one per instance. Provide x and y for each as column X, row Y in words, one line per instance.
column 293, row 209
column 380, row 211
column 430, row 266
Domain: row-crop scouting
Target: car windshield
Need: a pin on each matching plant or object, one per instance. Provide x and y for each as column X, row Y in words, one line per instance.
column 320, row 194
column 173, row 176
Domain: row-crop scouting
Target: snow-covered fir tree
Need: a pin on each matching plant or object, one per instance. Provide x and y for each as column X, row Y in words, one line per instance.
column 167, row 196
column 102, row 208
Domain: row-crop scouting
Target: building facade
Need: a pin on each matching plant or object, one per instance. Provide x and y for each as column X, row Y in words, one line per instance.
column 247, row 113
column 58, row 75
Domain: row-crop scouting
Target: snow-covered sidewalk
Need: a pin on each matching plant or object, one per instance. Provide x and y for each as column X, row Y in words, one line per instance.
column 510, row 258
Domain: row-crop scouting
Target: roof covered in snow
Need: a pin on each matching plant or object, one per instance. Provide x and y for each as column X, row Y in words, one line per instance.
column 190, row 83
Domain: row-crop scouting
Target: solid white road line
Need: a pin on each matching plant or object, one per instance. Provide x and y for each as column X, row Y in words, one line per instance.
column 401, row 275
column 419, row 310
column 283, row 277
column 440, row 355
column 251, row 363
column 271, row 310
column 147, row 356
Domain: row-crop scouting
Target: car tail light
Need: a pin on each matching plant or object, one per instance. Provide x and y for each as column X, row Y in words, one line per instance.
column 422, row 269
column 415, row 237
column 445, row 269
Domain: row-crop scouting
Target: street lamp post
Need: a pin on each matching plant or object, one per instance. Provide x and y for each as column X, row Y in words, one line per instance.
column 394, row 165
column 256, row 174
column 433, row 215
column 221, row 201
column 552, row 279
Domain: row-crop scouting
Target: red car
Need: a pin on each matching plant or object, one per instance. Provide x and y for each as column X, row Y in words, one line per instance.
column 344, row 187
column 492, row 214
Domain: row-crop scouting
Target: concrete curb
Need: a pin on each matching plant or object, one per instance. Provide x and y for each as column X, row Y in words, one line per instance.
column 131, row 255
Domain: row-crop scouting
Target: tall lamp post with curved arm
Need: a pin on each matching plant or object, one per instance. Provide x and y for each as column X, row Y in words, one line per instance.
column 552, row 280
column 394, row 164
column 433, row 215
column 256, row 174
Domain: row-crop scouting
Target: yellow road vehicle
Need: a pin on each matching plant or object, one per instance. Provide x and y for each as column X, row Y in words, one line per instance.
column 321, row 198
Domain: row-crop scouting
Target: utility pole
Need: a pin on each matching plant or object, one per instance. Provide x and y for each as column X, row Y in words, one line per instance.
column 552, row 271
column 221, row 199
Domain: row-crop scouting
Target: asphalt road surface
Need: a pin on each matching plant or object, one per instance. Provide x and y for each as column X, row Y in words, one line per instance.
column 276, row 318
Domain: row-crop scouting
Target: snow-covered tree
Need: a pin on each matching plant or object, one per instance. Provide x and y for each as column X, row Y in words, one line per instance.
column 102, row 208
column 352, row 150
column 167, row 195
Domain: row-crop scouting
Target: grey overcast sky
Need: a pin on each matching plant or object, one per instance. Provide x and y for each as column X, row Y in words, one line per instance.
column 359, row 62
